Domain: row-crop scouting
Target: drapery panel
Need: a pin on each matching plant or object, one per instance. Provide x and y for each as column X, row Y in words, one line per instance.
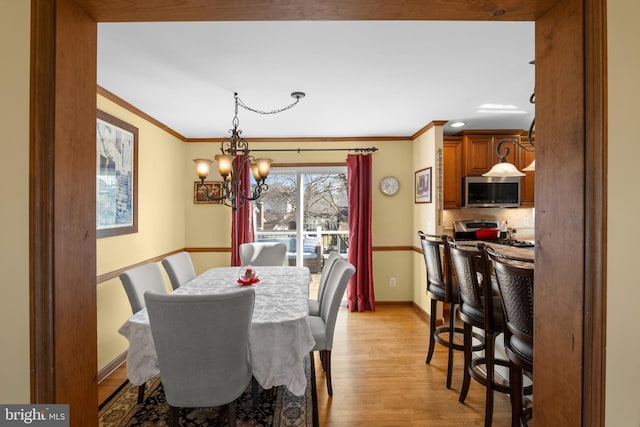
column 360, row 294
column 242, row 217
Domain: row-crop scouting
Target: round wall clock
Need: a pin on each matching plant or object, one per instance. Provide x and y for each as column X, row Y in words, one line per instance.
column 389, row 185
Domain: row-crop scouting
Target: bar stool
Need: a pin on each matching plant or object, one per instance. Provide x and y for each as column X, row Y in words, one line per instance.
column 479, row 308
column 515, row 283
column 440, row 287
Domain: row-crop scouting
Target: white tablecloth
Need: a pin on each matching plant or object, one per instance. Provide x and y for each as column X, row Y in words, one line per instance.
column 279, row 338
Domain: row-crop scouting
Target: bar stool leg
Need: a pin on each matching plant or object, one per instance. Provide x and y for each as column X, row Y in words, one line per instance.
column 452, row 330
column 432, row 329
column 489, row 356
column 515, row 379
column 466, row 379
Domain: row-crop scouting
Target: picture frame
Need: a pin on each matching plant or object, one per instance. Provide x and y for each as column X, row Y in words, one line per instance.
column 206, row 193
column 423, row 186
column 116, row 176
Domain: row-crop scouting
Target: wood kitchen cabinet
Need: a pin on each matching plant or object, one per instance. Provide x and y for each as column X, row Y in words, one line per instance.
column 527, row 182
column 452, row 172
column 479, row 150
column 472, row 153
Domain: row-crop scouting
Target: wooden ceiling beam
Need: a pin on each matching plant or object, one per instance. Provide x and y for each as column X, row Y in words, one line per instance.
column 257, row 10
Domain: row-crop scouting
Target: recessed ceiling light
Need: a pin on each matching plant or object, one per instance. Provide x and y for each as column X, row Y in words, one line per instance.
column 497, row 111
column 457, row 124
column 498, row 107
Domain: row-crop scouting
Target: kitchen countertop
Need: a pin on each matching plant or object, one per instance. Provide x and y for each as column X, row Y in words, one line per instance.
column 526, row 253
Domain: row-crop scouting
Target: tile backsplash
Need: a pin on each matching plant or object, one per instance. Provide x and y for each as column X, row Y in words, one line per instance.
column 520, row 219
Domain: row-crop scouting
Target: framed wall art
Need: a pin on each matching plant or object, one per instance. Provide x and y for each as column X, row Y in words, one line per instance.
column 116, row 176
column 423, row 186
column 207, row 192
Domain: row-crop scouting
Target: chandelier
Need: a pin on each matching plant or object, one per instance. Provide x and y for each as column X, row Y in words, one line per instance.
column 234, row 160
column 504, row 168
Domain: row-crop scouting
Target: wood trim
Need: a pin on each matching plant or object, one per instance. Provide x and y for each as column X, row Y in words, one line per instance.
column 556, row 44
column 255, row 10
column 311, row 139
column 391, row 248
column 560, row 216
column 114, row 274
column 41, row 218
column 428, row 126
column 112, row 366
column 426, row 317
column 62, row 215
column 595, row 306
column 225, row 249
column 124, row 104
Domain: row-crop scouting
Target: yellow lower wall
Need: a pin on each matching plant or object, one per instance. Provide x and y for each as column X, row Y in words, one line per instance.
column 14, row 207
column 623, row 333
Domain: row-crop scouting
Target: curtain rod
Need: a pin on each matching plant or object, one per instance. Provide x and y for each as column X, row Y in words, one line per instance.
column 299, row 150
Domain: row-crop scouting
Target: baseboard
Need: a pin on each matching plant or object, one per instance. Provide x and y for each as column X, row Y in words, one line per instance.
column 424, row 315
column 111, row 366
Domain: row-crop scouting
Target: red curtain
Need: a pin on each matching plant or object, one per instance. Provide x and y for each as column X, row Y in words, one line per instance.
column 241, row 218
column 360, row 295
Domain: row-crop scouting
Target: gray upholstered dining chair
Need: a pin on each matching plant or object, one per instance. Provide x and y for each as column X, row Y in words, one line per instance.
column 314, row 304
column 263, row 253
column 179, row 268
column 323, row 326
column 202, row 344
column 136, row 282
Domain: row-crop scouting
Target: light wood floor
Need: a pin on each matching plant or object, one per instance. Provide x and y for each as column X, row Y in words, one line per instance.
column 380, row 378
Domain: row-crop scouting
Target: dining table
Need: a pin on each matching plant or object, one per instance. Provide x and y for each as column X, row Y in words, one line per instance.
column 279, row 338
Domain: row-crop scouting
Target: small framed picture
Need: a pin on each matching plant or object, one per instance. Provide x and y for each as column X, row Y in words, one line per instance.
column 423, row 186
column 208, row 193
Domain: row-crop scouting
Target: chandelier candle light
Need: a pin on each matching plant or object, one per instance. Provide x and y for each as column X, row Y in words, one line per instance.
column 236, row 157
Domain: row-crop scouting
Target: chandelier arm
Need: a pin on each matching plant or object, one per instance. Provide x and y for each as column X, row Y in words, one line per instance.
column 503, row 150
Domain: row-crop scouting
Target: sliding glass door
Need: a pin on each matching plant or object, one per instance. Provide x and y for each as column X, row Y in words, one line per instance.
column 307, row 209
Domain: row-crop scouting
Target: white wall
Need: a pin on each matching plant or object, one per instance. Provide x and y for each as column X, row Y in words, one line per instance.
column 15, row 24
column 623, row 284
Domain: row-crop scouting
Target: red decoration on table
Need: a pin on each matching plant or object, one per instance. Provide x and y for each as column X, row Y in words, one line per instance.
column 249, row 277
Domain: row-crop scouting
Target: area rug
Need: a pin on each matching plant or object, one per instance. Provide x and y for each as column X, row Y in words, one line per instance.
column 277, row 409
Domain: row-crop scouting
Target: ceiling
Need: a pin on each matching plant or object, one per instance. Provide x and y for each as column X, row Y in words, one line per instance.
column 361, row 78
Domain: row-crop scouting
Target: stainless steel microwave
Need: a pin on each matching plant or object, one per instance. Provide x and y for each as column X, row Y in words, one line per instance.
column 491, row 192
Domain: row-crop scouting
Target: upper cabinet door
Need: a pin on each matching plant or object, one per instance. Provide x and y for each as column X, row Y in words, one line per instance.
column 478, row 154
column 452, row 173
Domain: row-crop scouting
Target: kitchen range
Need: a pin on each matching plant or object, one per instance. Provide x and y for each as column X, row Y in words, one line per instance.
column 489, row 230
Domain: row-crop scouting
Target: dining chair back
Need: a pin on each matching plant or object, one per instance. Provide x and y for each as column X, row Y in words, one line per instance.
column 323, row 326
column 441, row 286
column 179, row 268
column 479, row 308
column 514, row 277
column 202, row 344
column 314, row 304
column 138, row 280
column 263, row 253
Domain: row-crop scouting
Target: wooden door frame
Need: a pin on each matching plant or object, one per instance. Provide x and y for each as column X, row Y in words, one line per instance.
column 62, row 295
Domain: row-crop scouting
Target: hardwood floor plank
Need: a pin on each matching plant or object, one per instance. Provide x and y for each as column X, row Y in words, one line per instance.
column 380, row 378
